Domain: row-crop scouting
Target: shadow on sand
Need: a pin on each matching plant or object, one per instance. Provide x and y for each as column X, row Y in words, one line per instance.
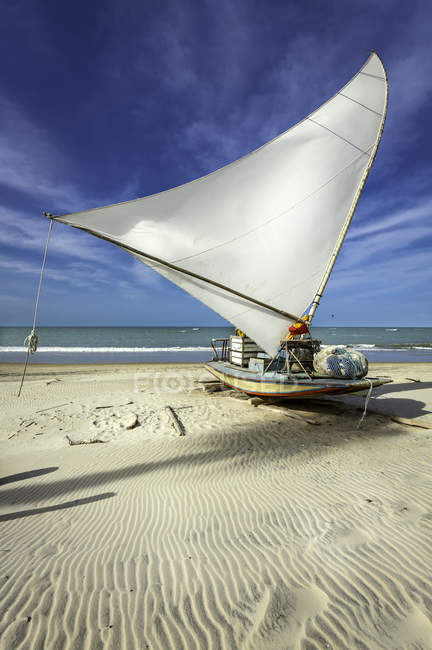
column 25, row 475
column 61, row 506
column 399, row 405
column 399, row 387
column 283, row 438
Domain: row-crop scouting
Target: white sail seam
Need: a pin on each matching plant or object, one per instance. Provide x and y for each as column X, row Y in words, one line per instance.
column 374, row 76
column 275, row 218
column 278, row 295
column 360, row 104
column 338, row 136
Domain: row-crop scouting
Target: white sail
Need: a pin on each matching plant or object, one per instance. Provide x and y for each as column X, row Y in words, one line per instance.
column 265, row 226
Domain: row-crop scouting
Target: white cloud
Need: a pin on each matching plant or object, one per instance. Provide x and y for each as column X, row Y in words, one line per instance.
column 78, row 275
column 78, row 260
column 413, row 221
column 29, row 162
column 21, row 231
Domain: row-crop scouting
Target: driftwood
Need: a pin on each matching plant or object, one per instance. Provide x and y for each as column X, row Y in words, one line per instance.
column 211, row 385
column 214, row 389
column 110, row 406
column 21, row 424
column 239, row 396
column 57, row 406
column 83, row 442
column 417, row 381
column 175, row 421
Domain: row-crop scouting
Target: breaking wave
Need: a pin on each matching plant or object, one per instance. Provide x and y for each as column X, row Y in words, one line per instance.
column 113, row 350
column 21, row 348
column 388, row 346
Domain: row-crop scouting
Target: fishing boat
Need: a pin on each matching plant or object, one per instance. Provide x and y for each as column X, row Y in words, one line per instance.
column 256, row 241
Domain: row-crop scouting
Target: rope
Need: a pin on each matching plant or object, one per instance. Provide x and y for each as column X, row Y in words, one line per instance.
column 300, row 364
column 31, row 341
column 366, row 403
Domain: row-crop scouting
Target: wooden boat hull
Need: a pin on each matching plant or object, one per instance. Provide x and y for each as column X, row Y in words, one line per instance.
column 283, row 386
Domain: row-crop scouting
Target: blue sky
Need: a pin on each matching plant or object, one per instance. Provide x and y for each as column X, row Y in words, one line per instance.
column 103, row 102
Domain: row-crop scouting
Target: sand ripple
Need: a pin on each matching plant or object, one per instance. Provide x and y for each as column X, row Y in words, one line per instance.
column 252, row 531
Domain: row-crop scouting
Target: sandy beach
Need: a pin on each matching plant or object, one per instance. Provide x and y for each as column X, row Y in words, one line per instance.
column 259, row 528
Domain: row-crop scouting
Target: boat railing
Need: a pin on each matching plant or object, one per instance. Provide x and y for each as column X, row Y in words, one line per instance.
column 221, row 349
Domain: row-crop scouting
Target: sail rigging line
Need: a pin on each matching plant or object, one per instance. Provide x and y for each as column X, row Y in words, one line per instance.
column 278, row 295
column 360, row 104
column 344, row 230
column 340, row 136
column 272, row 359
column 368, row 396
column 31, row 341
column 174, row 267
column 368, row 74
column 300, row 364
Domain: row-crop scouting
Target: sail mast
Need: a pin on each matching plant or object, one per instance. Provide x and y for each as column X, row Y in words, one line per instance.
column 340, row 241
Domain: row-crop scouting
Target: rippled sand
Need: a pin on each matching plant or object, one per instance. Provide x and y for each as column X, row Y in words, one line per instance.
column 254, row 530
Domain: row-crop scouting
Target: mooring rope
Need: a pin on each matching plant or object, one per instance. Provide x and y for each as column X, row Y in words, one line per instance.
column 31, row 341
column 366, row 402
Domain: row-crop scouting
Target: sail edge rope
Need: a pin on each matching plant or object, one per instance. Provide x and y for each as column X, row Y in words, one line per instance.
column 31, row 341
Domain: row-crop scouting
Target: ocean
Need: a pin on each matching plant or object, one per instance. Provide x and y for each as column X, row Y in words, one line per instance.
column 188, row 344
